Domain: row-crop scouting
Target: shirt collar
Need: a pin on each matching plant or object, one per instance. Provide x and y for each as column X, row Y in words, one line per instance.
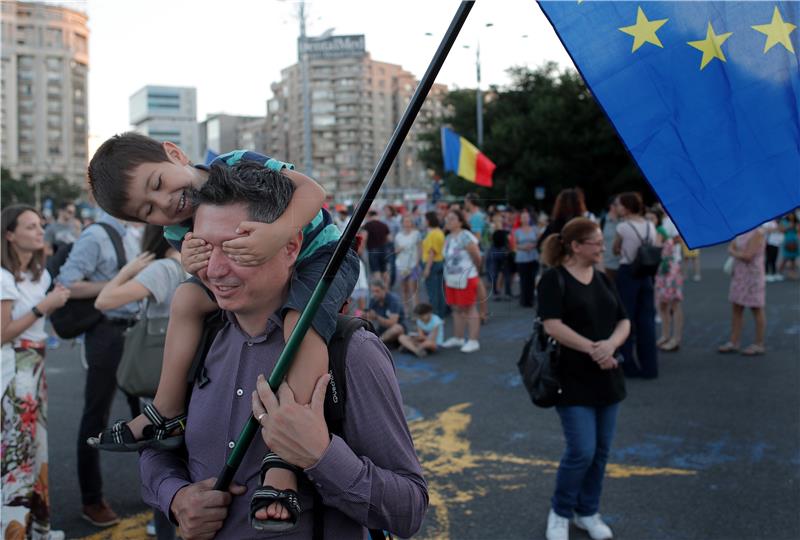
column 274, row 322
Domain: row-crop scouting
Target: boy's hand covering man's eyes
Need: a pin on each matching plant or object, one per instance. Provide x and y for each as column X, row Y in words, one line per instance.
column 258, row 243
column 194, row 254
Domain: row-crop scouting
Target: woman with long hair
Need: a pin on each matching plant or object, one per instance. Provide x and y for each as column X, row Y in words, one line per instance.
column 570, row 203
column 636, row 291
column 580, row 308
column 462, row 258
column 25, row 302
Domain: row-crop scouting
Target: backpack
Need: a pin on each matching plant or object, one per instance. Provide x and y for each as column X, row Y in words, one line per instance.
column 648, row 256
column 78, row 316
column 335, row 396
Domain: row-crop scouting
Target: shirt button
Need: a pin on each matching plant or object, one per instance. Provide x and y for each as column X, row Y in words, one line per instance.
column 239, row 392
column 231, row 444
column 249, row 343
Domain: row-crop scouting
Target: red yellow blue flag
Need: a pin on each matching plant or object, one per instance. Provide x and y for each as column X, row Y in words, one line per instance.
column 464, row 159
column 706, row 97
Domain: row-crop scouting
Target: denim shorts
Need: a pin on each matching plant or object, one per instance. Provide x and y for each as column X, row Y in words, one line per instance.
column 378, row 259
column 308, row 273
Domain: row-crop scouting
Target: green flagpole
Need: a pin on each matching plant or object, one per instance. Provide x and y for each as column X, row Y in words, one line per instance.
column 348, row 236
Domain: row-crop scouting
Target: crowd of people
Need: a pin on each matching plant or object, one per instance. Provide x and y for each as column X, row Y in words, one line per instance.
column 213, row 241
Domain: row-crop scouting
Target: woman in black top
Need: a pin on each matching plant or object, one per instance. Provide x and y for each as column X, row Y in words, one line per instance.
column 581, row 309
column 497, row 260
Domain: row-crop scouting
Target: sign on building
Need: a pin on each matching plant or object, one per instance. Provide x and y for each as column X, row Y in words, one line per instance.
column 333, row 46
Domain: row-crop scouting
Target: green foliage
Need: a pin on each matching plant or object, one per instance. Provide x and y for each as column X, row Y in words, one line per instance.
column 16, row 191
column 545, row 130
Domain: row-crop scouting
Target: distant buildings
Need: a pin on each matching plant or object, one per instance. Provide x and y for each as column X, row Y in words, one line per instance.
column 168, row 113
column 356, row 103
column 45, row 63
column 222, row 133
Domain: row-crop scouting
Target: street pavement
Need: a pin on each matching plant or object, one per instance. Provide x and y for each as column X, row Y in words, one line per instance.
column 710, row 450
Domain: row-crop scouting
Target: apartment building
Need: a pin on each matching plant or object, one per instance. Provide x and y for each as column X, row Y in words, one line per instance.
column 44, row 105
column 168, row 113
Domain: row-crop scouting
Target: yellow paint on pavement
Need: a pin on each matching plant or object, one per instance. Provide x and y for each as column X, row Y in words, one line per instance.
column 455, row 473
column 446, row 455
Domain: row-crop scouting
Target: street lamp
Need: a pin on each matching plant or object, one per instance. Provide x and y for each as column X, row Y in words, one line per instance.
column 478, row 93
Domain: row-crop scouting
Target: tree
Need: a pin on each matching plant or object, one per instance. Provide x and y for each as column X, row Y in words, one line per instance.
column 545, row 130
column 58, row 189
column 14, row 191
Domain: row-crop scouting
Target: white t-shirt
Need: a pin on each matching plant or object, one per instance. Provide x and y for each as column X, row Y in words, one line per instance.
column 161, row 278
column 458, row 265
column 407, row 246
column 24, row 295
column 630, row 240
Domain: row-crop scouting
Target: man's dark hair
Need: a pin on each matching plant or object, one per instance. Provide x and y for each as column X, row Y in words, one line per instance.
column 265, row 192
column 111, row 166
column 472, row 198
column 432, row 218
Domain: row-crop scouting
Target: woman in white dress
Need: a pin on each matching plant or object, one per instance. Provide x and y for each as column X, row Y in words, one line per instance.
column 25, row 302
column 407, row 245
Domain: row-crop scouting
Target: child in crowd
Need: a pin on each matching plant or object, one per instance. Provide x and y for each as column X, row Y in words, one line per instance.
column 136, row 178
column 429, row 335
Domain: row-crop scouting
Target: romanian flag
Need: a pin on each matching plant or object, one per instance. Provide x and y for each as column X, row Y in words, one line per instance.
column 464, row 159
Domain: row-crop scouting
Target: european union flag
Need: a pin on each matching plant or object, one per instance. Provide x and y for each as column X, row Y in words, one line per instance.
column 705, row 95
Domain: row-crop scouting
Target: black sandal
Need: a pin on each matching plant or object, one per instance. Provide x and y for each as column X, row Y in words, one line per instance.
column 119, row 437
column 267, row 495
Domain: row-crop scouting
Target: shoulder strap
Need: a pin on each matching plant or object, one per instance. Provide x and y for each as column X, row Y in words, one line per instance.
column 335, row 398
column 116, row 239
column 644, row 240
column 336, row 395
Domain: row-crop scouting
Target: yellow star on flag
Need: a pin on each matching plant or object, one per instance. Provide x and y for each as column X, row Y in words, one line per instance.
column 711, row 46
column 644, row 31
column 777, row 32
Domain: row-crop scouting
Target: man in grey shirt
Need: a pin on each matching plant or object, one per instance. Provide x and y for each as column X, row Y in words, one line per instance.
column 369, row 477
column 91, row 264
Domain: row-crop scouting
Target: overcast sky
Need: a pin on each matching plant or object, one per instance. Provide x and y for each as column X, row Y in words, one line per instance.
column 232, row 50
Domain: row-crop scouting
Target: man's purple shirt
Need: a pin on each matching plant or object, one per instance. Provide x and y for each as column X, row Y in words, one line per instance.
column 374, row 479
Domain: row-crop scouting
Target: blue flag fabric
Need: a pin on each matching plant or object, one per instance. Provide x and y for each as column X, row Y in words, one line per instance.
column 706, row 97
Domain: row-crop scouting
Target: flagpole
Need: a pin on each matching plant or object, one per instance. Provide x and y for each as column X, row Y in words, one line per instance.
column 348, row 236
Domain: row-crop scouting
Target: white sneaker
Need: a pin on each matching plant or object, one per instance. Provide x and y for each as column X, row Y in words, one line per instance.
column 56, row 535
column 557, row 527
column 453, row 342
column 696, row 277
column 150, row 528
column 779, row 277
column 595, row 526
column 471, row 346
column 769, row 278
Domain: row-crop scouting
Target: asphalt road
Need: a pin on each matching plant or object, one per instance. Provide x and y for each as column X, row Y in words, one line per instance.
column 710, row 450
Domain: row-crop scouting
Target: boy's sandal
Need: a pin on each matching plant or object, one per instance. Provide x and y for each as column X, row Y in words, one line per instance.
column 119, row 437
column 753, row 350
column 728, row 347
column 266, row 495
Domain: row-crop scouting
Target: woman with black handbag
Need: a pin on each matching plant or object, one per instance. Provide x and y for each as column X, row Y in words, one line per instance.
column 637, row 237
column 151, row 277
column 587, row 318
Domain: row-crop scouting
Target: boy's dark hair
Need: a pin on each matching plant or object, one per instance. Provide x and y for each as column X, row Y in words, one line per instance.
column 111, row 166
column 265, row 192
column 423, row 309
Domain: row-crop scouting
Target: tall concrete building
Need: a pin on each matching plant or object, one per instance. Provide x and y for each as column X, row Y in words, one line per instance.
column 44, row 109
column 222, row 133
column 168, row 113
column 356, row 103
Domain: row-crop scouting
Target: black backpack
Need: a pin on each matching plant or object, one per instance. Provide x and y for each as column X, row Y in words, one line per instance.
column 648, row 256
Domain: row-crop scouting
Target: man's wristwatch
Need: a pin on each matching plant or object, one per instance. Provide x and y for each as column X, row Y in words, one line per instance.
column 36, row 312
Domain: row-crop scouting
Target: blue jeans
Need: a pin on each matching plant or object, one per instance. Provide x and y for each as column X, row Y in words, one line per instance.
column 434, row 286
column 637, row 297
column 496, row 264
column 579, row 481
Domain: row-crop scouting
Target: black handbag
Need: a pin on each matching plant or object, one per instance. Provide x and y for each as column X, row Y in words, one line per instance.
column 76, row 317
column 139, row 369
column 648, row 256
column 538, row 363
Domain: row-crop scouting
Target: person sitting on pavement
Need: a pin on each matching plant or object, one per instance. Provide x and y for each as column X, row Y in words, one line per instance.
column 367, row 477
column 429, row 335
column 386, row 312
